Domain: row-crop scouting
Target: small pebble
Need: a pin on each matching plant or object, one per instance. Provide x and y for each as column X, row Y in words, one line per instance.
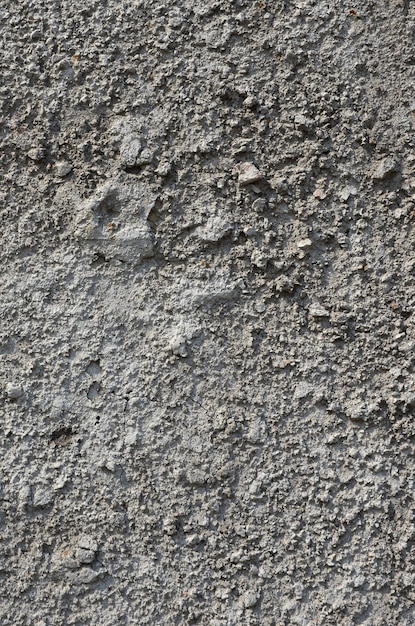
column 63, row 168
column 87, row 542
column 215, row 229
column 131, row 438
column 248, row 173
column 260, row 307
column 259, row 259
column 320, row 194
column 250, row 599
column 164, row 168
column 316, row 310
column 242, row 144
column 304, row 243
column 85, row 575
column 178, row 346
column 146, row 156
column 259, row 204
column 41, row 498
column 36, row 154
column 85, row 555
column 241, row 17
column 302, row 122
column 250, row 102
column 350, row 190
column 13, row 391
column 385, row 168
column 130, row 151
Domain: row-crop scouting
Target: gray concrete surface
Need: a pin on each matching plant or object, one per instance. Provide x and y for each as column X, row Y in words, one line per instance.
column 207, row 340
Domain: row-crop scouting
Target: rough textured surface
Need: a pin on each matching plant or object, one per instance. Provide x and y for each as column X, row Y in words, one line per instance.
column 207, row 313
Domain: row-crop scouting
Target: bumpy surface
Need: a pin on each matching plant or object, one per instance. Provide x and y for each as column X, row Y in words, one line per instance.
column 207, row 316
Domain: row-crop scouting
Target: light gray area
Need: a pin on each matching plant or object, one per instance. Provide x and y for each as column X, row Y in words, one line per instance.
column 207, row 313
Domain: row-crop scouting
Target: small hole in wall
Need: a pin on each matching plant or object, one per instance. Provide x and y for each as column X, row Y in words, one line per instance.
column 94, row 390
column 110, row 206
column 61, row 435
column 98, row 259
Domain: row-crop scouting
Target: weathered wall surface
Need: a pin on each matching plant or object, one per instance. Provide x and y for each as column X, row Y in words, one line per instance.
column 207, row 385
